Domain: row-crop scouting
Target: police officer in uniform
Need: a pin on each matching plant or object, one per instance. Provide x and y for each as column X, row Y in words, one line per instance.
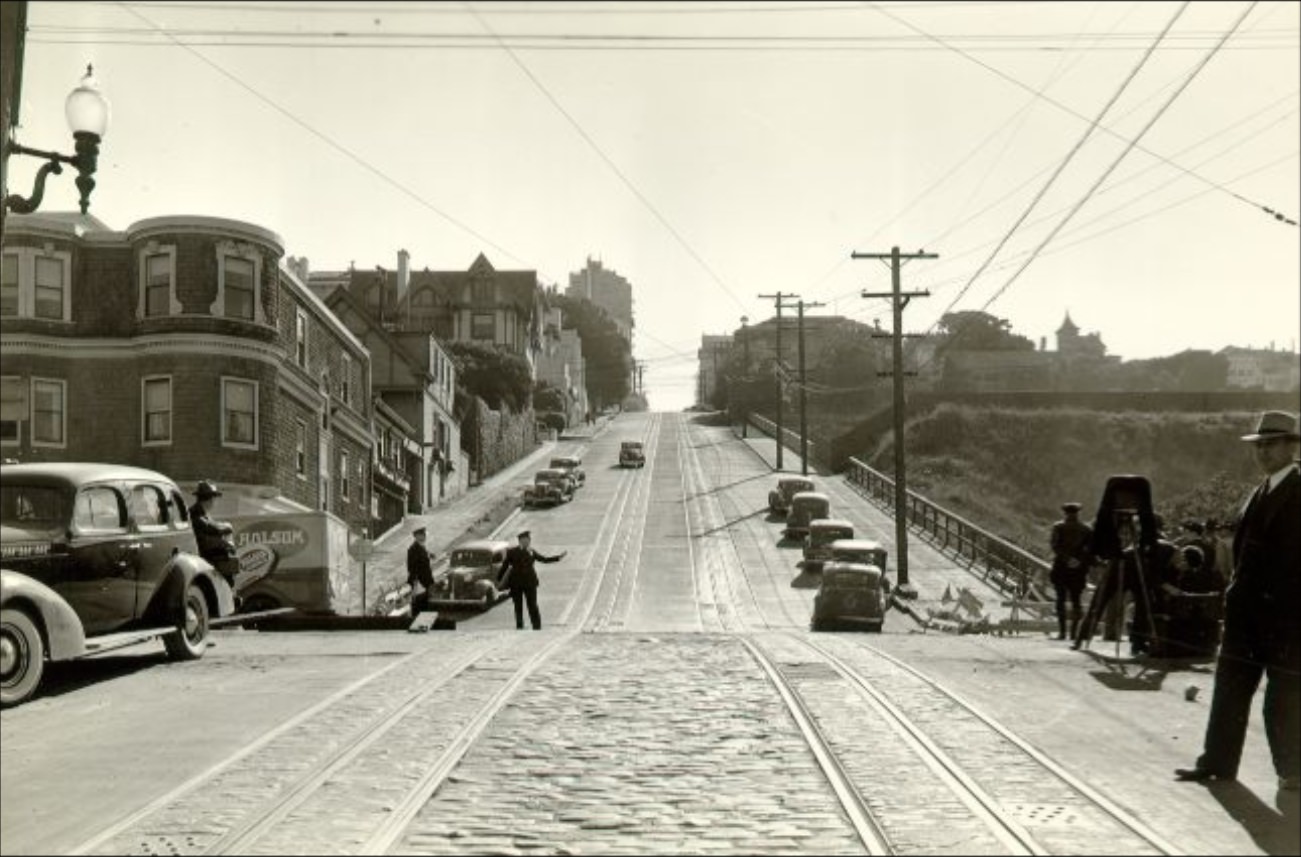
column 519, row 575
column 1071, row 560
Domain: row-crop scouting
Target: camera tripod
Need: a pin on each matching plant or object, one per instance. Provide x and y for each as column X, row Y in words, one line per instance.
column 1114, row 583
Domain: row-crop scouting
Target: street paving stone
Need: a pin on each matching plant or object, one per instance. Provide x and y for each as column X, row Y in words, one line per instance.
column 671, row 766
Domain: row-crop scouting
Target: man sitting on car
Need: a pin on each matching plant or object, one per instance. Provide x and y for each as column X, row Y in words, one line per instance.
column 215, row 538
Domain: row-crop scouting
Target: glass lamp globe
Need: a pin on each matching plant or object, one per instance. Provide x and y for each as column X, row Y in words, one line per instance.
column 87, row 109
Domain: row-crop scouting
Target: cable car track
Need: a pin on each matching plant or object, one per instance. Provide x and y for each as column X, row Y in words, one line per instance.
column 1015, row 794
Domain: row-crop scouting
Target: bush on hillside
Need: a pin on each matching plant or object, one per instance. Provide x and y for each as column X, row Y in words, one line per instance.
column 1009, row 471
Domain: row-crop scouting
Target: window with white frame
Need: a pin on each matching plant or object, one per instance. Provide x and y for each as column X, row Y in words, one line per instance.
column 300, row 338
column 239, row 273
column 49, row 412
column 240, row 292
column 9, row 285
column 345, row 389
column 36, row 283
column 156, row 410
column 239, row 413
column 158, row 284
column 13, row 409
column 482, row 326
column 343, row 476
column 300, row 449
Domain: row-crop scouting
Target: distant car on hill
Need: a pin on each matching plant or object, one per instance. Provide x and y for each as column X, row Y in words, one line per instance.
column 779, row 499
column 632, row 454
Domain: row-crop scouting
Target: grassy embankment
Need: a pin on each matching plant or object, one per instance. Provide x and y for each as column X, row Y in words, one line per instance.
column 1009, row 471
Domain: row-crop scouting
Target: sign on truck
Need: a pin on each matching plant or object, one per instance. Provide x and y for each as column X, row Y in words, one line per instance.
column 297, row 559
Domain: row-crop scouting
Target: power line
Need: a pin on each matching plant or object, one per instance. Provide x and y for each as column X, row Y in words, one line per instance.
column 1106, row 173
column 628, row 183
column 1070, row 155
column 1058, row 104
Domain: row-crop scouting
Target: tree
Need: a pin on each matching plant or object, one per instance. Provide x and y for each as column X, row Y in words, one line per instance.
column 973, row 330
column 494, row 374
column 608, row 354
column 548, row 398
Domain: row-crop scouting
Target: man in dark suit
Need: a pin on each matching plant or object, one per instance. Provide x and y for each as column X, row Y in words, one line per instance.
column 519, row 575
column 1261, row 634
column 419, row 571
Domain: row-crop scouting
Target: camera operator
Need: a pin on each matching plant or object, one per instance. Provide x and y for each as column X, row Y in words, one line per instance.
column 1138, row 562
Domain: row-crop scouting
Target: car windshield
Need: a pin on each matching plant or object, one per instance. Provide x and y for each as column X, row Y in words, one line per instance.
column 563, row 462
column 33, row 508
column 632, row 446
column 471, row 557
column 850, row 580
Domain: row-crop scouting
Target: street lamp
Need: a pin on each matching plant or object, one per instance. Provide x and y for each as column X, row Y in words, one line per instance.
column 87, row 110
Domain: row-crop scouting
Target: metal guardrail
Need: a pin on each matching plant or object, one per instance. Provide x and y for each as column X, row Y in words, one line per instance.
column 1006, row 566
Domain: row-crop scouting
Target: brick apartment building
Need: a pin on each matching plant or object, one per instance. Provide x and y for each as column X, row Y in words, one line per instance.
column 180, row 344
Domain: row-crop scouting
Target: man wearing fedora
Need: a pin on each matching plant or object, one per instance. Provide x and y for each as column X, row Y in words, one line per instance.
column 1071, row 560
column 1262, row 637
column 520, row 576
column 215, row 538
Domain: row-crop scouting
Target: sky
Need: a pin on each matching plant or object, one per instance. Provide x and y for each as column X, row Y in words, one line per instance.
column 1110, row 160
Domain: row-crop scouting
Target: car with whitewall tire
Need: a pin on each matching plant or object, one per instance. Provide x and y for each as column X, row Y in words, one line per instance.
column 94, row 557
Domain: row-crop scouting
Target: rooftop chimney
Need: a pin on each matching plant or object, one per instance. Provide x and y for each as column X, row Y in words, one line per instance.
column 404, row 276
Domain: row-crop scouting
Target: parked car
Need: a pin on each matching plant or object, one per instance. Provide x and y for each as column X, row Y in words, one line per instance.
column 95, row 557
column 550, row 488
column 851, row 596
column 779, row 499
column 806, row 506
column 865, row 551
column 817, row 544
column 571, row 464
column 471, row 577
column 632, row 454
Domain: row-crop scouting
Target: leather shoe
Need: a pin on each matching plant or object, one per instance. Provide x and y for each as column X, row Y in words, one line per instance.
column 1198, row 775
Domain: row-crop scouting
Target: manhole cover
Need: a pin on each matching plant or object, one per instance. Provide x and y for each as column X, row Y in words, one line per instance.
column 1044, row 814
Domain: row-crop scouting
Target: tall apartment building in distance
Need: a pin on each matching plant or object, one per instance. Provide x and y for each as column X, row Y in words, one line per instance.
column 608, row 290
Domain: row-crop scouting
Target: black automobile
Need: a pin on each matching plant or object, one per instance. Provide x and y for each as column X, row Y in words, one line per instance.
column 632, row 454
column 94, row 557
column 571, row 464
column 852, row 596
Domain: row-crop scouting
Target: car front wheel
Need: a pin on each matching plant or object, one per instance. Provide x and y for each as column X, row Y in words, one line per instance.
column 22, row 657
column 191, row 638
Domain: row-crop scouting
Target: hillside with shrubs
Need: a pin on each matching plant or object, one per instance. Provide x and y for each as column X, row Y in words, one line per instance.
column 1008, row 471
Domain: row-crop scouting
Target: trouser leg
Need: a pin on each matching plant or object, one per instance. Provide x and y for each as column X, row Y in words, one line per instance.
column 517, row 600
column 1060, row 591
column 1076, row 613
column 1283, row 719
column 1237, row 675
column 535, row 617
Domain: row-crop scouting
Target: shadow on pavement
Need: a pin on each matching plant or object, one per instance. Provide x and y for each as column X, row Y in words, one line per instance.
column 1127, row 674
column 69, row 676
column 1276, row 829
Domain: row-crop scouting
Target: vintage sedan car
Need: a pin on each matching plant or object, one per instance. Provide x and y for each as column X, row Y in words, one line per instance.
column 806, row 506
column 571, row 464
column 779, row 499
column 817, row 544
column 471, row 577
column 95, row 557
column 550, row 487
column 632, row 454
column 852, row 596
column 866, row 551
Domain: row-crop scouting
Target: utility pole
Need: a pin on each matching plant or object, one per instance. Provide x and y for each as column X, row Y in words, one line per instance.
column 804, row 396
column 777, row 369
column 899, row 300
column 745, row 374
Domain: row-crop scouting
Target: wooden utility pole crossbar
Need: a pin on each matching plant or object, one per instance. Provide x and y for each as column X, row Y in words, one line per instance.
column 899, row 300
